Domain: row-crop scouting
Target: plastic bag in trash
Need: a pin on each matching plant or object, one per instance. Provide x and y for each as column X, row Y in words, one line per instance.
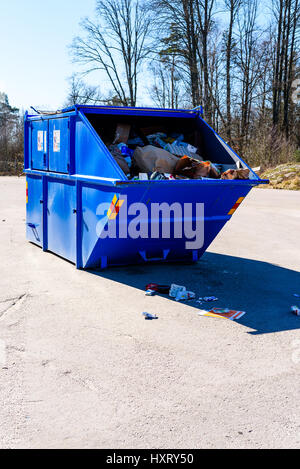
column 189, row 147
column 125, row 150
column 180, row 150
column 157, row 176
column 136, row 141
column 143, row 177
column 119, row 158
column 157, row 139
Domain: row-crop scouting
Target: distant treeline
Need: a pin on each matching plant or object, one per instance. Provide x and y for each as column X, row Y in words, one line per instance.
column 239, row 59
column 11, row 137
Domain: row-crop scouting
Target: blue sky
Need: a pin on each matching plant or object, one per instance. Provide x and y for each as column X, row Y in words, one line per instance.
column 34, row 57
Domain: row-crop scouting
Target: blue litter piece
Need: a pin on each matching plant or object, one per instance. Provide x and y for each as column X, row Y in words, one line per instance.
column 149, row 316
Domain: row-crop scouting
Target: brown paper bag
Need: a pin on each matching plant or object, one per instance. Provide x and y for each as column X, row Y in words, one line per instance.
column 150, row 158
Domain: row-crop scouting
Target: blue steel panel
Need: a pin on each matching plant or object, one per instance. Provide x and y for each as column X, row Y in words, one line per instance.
column 26, row 141
column 39, row 145
column 34, row 209
column 59, row 145
column 217, row 199
column 214, row 147
column 62, row 218
column 214, row 150
column 133, row 111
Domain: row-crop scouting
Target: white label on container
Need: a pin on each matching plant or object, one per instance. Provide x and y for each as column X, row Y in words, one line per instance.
column 56, row 140
column 40, row 140
column 45, row 141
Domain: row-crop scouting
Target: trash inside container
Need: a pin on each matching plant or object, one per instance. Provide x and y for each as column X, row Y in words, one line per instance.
column 112, row 186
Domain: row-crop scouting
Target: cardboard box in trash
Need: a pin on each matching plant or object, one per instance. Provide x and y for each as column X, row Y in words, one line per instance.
column 122, row 133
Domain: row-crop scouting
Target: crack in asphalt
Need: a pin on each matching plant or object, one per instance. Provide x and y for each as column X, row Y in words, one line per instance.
column 13, row 302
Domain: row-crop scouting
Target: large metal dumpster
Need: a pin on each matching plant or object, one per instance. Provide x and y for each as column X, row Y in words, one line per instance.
column 77, row 197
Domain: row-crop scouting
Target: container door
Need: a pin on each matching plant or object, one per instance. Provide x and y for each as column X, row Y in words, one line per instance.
column 39, row 145
column 34, row 210
column 62, row 219
column 59, row 149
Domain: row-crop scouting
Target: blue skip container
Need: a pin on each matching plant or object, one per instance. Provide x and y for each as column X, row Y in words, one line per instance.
column 82, row 207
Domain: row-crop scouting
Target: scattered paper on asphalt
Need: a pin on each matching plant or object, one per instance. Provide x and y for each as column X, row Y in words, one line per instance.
column 223, row 313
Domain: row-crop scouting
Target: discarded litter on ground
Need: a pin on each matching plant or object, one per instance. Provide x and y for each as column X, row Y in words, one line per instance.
column 207, row 299
column 149, row 316
column 180, row 293
column 158, row 288
column 223, row 313
column 185, row 295
column 175, row 289
column 295, row 310
column 150, row 292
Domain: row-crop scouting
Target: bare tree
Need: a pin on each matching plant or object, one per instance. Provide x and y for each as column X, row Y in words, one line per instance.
column 204, row 17
column 189, row 23
column 166, row 90
column 233, row 7
column 249, row 57
column 216, row 79
column 81, row 93
column 286, row 14
column 180, row 34
column 116, row 43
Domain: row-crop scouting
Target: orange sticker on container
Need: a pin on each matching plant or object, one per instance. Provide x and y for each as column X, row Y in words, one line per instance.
column 114, row 208
column 236, row 205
